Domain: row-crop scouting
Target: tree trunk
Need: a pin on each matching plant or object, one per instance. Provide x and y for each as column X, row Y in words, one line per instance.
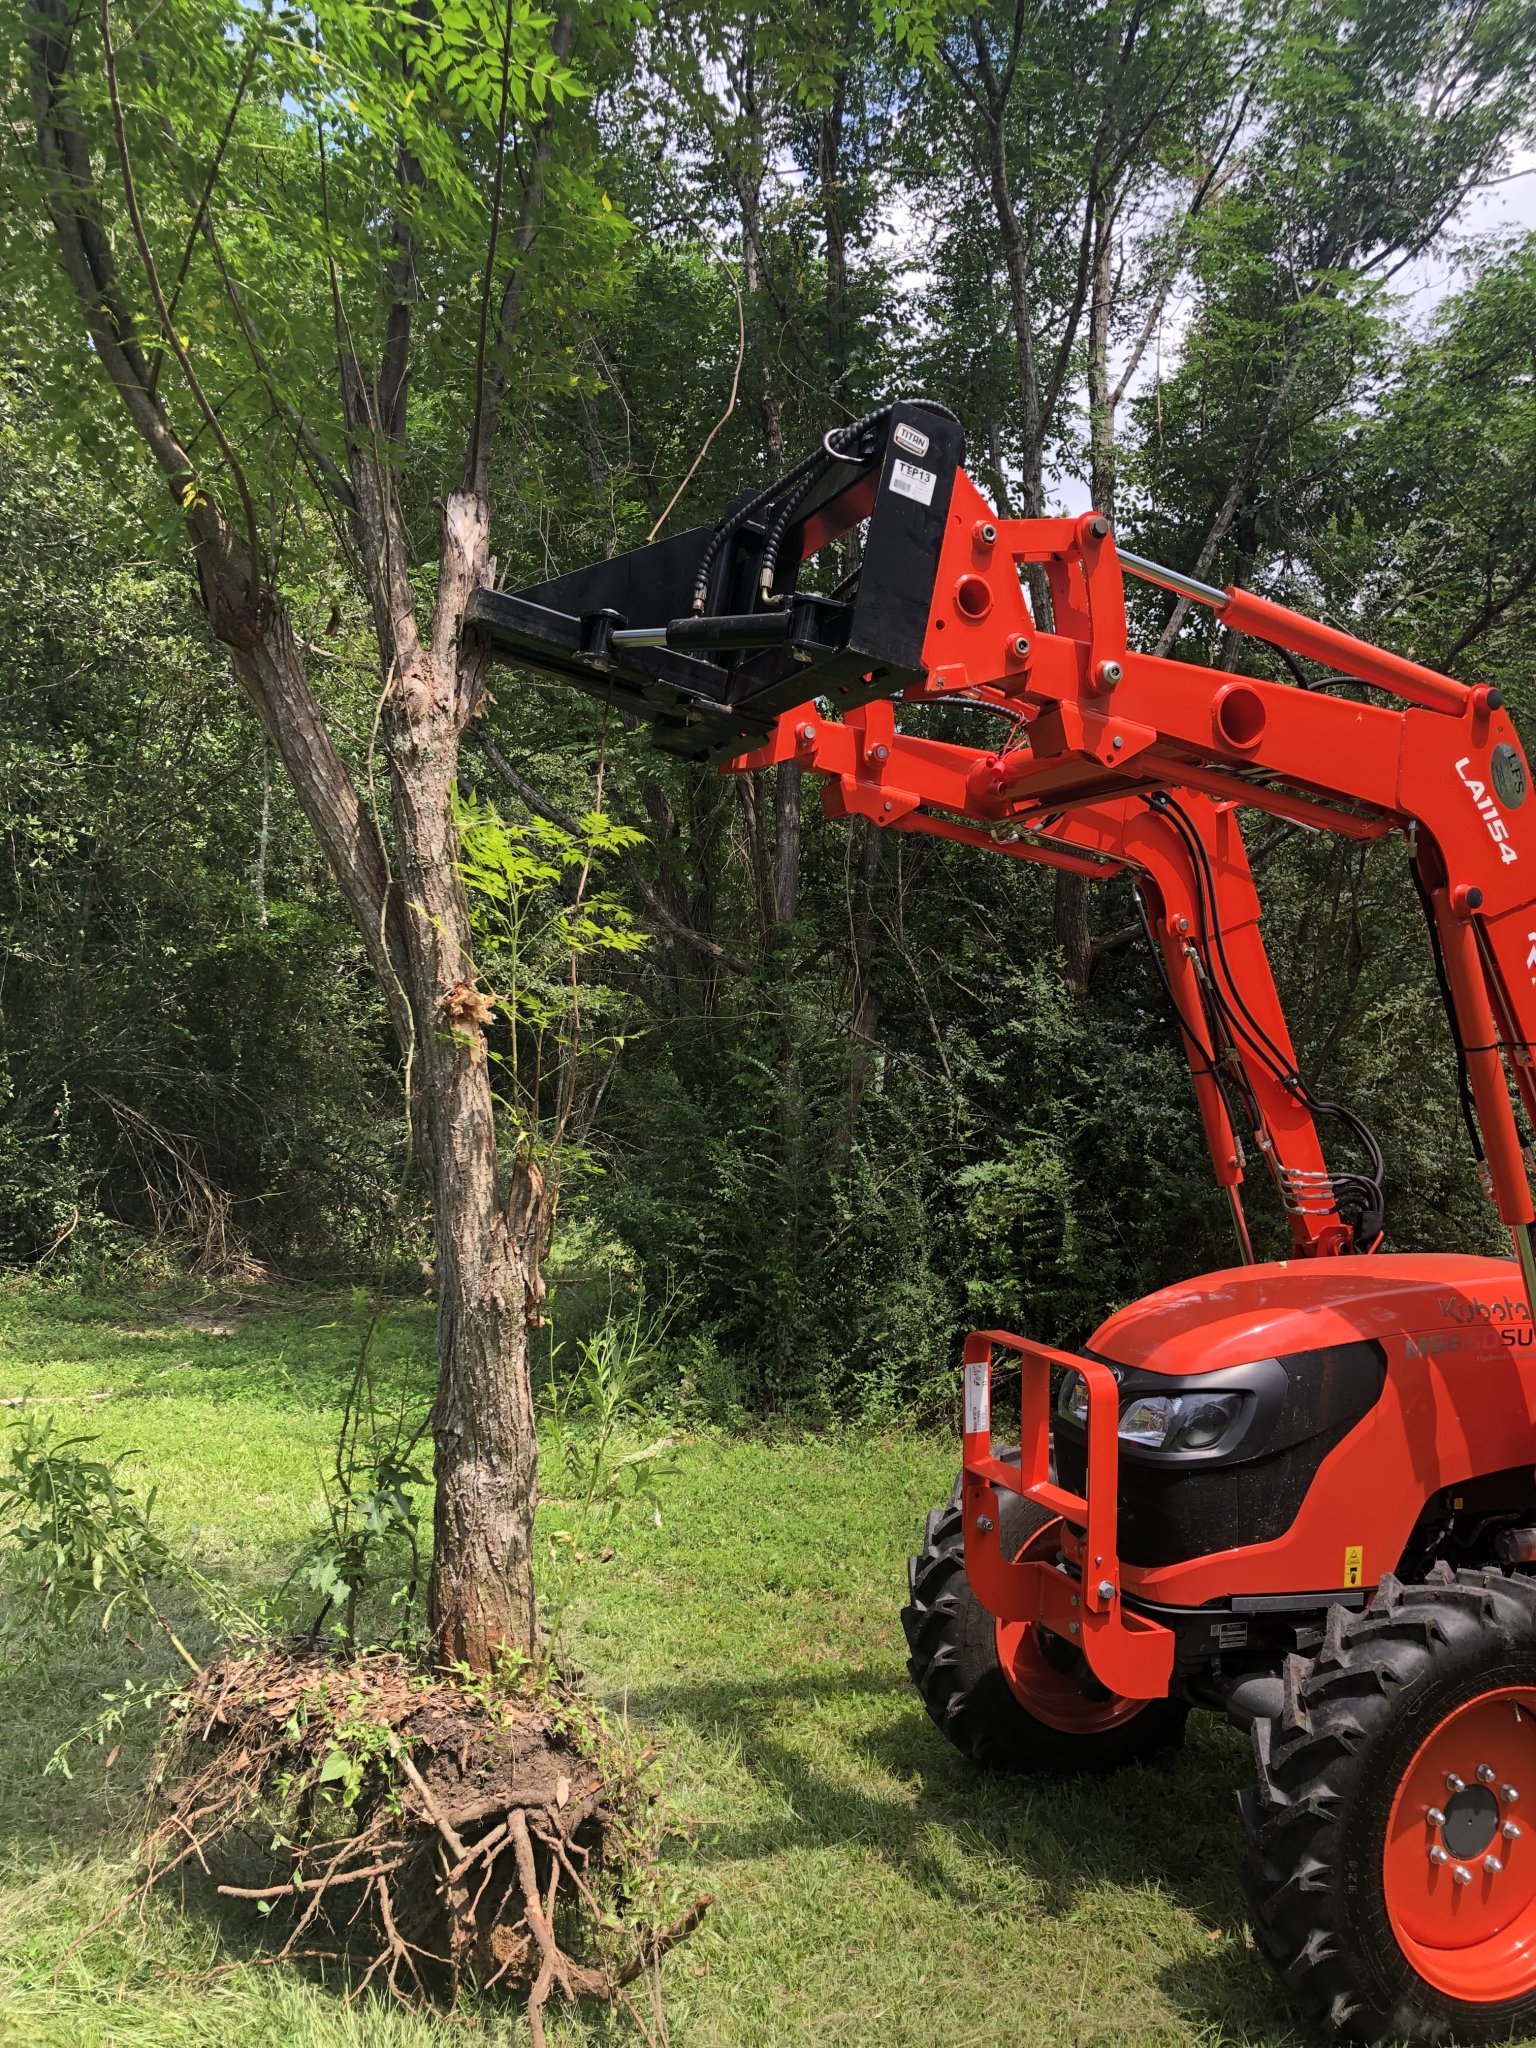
column 489, row 1248
column 864, row 1022
column 829, row 153
column 786, row 841
column 480, row 1597
column 1070, row 907
column 1101, row 406
column 1032, row 432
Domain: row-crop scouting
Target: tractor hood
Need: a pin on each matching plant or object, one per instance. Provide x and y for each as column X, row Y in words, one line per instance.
column 1248, row 1312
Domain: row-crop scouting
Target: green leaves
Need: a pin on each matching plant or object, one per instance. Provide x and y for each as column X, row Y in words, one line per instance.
column 538, row 910
column 74, row 1535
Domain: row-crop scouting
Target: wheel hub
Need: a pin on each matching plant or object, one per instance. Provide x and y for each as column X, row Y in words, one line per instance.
column 1471, row 1821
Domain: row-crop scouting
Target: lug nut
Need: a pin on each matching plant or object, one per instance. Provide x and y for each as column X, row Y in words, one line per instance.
column 1508, row 1794
column 1492, row 1865
column 1511, row 1831
column 1106, row 1590
column 1461, row 1874
column 1439, row 1855
column 1435, row 1817
column 1453, row 1783
column 1486, row 1774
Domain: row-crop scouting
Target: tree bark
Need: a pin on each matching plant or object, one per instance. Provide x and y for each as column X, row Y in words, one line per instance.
column 1102, row 464
column 864, row 1021
column 1073, row 931
column 829, row 171
column 786, row 842
column 489, row 1243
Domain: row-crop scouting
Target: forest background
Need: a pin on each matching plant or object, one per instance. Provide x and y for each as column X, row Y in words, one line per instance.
column 1247, row 278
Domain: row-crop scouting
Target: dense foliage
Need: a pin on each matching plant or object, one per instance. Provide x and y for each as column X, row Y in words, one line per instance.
column 855, row 1089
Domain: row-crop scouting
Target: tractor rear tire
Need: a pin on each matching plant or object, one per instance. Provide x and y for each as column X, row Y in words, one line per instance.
column 956, row 1667
column 1387, row 1879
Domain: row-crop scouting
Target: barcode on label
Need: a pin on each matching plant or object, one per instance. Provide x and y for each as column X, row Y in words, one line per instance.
column 908, row 480
column 978, row 1404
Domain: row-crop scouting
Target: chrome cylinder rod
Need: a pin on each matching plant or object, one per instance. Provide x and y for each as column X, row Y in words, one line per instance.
column 1171, row 579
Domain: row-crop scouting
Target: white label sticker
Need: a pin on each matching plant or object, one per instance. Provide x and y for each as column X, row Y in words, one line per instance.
column 978, row 1404
column 908, row 481
column 910, row 439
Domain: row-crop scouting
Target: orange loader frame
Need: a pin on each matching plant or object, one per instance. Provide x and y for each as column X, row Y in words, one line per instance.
column 1123, row 762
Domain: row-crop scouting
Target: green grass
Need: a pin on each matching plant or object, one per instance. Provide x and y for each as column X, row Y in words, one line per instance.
column 870, row 1888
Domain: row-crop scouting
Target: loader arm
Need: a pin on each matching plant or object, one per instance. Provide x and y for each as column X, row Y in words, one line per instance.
column 1111, row 760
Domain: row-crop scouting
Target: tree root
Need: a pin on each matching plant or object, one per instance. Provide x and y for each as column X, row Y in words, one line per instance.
column 427, row 1832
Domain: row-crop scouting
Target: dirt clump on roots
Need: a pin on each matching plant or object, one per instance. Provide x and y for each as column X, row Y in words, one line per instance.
column 424, row 1829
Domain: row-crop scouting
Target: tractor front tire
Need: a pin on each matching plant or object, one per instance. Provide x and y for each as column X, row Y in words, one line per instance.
column 1391, row 1877
column 1038, row 1715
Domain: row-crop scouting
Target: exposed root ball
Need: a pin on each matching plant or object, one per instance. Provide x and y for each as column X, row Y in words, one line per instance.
column 457, row 1830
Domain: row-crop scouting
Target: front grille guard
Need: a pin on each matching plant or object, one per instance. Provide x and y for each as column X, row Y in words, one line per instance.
column 1129, row 1653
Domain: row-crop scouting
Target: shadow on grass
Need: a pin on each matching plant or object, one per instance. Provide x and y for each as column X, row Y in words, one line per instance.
column 861, row 1769
column 1170, row 1826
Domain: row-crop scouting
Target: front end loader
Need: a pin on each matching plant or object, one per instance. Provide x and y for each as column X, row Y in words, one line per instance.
column 1297, row 1492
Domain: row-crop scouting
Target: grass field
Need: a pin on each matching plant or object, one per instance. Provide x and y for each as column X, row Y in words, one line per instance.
column 871, row 1889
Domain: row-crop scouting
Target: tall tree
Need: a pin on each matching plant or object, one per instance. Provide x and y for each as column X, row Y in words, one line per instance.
column 309, row 265
column 1075, row 119
column 1363, row 147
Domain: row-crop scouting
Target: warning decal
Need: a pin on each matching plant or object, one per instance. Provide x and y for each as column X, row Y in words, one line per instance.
column 1354, row 1564
column 978, row 1403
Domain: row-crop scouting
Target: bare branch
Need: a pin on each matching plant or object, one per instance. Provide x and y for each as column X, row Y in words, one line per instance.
column 1248, row 467
column 741, row 350
column 289, row 413
column 84, row 247
column 545, row 807
column 510, row 312
column 1493, row 610
column 400, row 284
column 200, row 213
column 375, row 515
column 167, row 325
column 1206, row 187
column 476, row 422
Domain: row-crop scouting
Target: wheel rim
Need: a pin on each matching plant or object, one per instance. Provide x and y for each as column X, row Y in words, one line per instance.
column 1460, row 1888
column 1038, row 1686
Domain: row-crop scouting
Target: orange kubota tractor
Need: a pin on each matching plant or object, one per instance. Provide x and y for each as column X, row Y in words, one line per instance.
column 1300, row 1492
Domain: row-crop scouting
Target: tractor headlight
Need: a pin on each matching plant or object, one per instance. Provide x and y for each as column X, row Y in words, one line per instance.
column 1159, row 1422
column 1178, row 1422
